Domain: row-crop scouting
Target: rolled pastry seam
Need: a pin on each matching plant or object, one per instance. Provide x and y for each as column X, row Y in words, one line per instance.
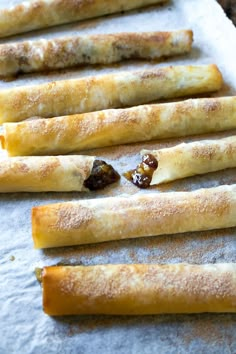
column 184, row 160
column 67, row 134
column 36, row 14
column 54, row 173
column 107, row 219
column 59, row 53
column 139, row 289
column 107, row 91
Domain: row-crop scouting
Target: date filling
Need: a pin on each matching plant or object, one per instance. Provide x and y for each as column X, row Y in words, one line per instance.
column 101, row 176
column 141, row 176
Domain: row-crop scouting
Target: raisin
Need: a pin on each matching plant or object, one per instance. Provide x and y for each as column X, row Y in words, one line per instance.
column 141, row 180
column 150, row 160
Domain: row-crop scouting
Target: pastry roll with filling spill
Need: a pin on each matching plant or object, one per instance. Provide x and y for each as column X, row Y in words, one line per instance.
column 43, row 55
column 150, row 214
column 55, row 173
column 107, row 91
column 63, row 135
column 139, row 289
column 36, row 14
column 183, row 160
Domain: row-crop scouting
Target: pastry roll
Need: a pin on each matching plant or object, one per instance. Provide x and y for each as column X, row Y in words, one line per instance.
column 67, row 134
column 36, row 14
column 56, row 174
column 90, row 49
column 106, row 91
column 139, row 289
column 183, row 160
column 106, row 219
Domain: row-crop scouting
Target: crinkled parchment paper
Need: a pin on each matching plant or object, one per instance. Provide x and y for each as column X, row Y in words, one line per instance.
column 24, row 328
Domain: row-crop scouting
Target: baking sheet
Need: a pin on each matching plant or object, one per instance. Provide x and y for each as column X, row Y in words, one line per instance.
column 24, row 328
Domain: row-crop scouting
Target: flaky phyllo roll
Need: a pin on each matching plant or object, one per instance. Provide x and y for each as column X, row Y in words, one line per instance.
column 67, row 134
column 36, row 14
column 55, row 173
column 183, row 160
column 139, row 289
column 107, row 219
column 43, row 54
column 107, row 91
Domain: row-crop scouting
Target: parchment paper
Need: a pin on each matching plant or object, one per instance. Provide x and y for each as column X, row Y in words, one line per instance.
column 24, row 328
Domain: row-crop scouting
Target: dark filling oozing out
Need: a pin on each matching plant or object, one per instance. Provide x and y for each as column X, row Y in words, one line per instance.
column 101, row 176
column 142, row 175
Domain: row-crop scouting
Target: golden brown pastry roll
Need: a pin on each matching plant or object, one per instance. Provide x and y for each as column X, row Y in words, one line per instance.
column 36, row 14
column 106, row 219
column 59, row 53
column 107, row 91
column 183, row 160
column 67, row 134
column 54, row 173
column 139, row 289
